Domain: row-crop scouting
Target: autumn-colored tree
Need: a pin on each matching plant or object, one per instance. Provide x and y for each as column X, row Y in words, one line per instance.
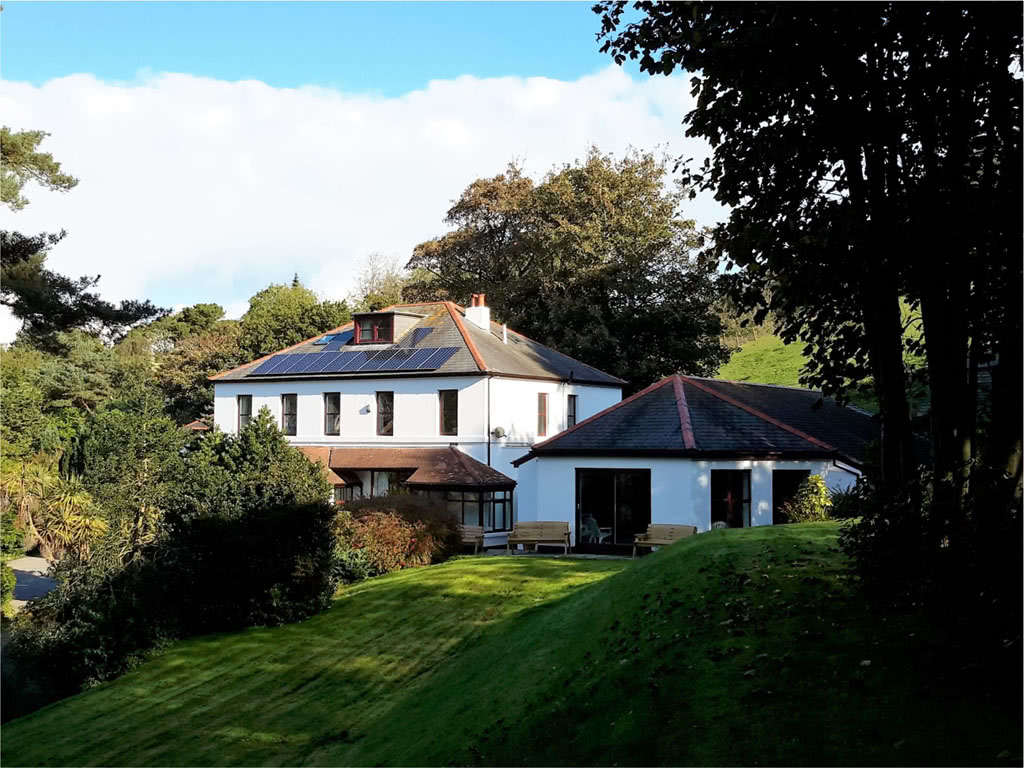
column 595, row 260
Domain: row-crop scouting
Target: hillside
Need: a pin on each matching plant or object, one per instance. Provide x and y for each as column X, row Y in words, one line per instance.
column 735, row 647
column 769, row 360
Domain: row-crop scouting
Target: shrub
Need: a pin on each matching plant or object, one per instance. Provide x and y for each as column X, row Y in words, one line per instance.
column 210, row 574
column 7, row 583
column 394, row 532
column 810, row 503
column 851, row 502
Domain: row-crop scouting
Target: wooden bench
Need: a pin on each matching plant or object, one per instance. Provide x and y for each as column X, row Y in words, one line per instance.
column 539, row 532
column 660, row 535
column 472, row 535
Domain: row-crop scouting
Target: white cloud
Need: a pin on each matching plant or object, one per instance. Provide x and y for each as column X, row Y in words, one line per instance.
column 195, row 189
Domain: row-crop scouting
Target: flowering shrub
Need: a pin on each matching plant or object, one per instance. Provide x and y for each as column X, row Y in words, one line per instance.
column 811, row 503
column 385, row 534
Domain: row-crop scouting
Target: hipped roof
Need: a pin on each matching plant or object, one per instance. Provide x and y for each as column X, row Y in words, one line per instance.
column 693, row 416
column 478, row 351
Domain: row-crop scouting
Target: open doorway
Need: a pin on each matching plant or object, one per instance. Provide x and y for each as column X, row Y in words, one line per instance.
column 785, row 483
column 730, row 497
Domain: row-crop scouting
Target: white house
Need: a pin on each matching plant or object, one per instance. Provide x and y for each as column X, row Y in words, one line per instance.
column 442, row 401
column 433, row 396
column 691, row 451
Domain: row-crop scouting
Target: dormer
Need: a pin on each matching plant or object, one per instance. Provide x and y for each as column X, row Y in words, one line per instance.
column 383, row 327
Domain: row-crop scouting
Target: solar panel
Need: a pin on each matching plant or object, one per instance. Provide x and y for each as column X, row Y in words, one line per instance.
column 348, row 361
column 338, row 341
column 438, row 358
column 304, row 366
column 325, row 361
column 325, row 339
column 419, row 334
column 416, row 359
column 266, row 365
column 375, row 359
column 362, row 361
column 400, row 358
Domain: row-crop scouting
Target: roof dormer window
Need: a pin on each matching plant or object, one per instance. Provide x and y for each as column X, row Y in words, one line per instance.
column 374, row 329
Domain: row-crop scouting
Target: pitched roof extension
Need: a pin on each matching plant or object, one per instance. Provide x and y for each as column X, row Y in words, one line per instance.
column 692, row 416
column 477, row 351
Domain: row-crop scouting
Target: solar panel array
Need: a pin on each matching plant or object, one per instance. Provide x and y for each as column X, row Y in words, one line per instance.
column 338, row 340
column 424, row 359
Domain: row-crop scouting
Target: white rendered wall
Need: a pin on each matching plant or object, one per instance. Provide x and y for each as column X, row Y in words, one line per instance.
column 680, row 488
column 416, row 408
column 512, row 404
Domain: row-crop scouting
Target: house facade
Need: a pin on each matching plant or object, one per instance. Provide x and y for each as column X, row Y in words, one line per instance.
column 692, row 451
column 433, row 398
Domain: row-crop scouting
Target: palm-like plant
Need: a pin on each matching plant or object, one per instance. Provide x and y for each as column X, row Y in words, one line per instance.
column 67, row 522
column 24, row 485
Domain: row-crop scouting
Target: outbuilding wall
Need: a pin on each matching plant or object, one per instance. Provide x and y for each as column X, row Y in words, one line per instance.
column 680, row 488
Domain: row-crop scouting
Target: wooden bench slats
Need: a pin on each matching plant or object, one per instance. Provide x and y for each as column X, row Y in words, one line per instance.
column 472, row 534
column 539, row 532
column 662, row 534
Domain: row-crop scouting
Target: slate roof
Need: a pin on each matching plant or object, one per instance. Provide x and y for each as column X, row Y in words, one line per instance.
column 704, row 418
column 445, row 466
column 478, row 352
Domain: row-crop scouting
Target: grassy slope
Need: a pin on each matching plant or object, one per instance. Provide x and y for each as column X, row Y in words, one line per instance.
column 767, row 360
column 735, row 647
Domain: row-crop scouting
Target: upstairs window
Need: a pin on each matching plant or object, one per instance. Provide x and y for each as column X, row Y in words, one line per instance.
column 244, row 411
column 332, row 413
column 570, row 412
column 289, row 414
column 542, row 414
column 385, row 413
column 374, row 329
column 449, row 399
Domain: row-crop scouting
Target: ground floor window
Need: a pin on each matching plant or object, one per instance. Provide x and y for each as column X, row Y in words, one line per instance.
column 490, row 509
column 730, row 498
column 385, row 482
column 343, row 493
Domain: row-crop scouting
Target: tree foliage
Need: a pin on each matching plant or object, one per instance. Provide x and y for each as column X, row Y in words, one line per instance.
column 48, row 303
column 846, row 140
column 282, row 315
column 595, row 260
column 379, row 283
column 21, row 162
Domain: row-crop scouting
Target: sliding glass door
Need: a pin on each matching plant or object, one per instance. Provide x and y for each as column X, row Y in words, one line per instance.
column 612, row 506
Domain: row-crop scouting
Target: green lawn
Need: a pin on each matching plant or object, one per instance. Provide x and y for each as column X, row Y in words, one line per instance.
column 735, row 647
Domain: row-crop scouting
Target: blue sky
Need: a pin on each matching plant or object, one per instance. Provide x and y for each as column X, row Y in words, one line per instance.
column 225, row 146
column 387, row 48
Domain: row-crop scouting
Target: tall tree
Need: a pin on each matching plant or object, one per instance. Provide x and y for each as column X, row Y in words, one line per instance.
column 281, row 315
column 595, row 260
column 846, row 140
column 379, row 282
column 48, row 303
column 21, row 162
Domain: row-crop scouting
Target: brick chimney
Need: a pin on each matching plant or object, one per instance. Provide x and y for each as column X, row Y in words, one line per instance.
column 478, row 313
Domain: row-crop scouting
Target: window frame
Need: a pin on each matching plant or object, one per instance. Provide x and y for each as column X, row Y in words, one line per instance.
column 328, row 414
column 478, row 506
column 285, row 414
column 442, row 411
column 238, row 410
column 542, row 414
column 348, row 493
column 376, row 323
column 571, row 410
column 391, row 394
